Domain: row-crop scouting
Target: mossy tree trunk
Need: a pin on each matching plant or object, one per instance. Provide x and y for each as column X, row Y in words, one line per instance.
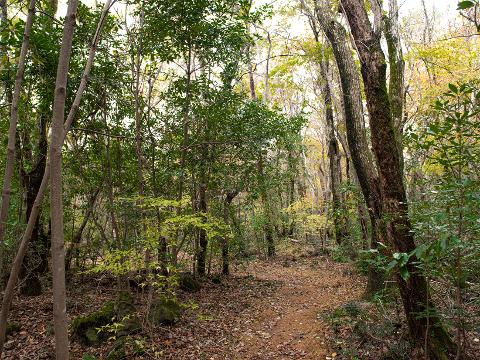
column 414, row 290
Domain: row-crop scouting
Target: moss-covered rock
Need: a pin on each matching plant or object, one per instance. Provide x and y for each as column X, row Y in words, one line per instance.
column 12, row 328
column 85, row 327
column 164, row 311
column 188, row 282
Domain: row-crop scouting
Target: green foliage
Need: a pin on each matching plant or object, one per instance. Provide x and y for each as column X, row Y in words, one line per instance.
column 467, row 4
column 446, row 199
column 87, row 329
column 88, row 357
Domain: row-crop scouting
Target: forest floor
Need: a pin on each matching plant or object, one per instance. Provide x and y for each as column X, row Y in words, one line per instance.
column 265, row 310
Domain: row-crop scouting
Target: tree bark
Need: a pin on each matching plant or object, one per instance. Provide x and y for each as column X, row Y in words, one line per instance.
column 396, row 86
column 12, row 130
column 226, row 216
column 414, row 291
column 356, row 135
column 202, row 234
column 17, row 263
column 339, row 220
column 62, row 346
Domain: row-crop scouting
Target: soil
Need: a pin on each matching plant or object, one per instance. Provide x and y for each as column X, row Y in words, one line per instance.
column 266, row 310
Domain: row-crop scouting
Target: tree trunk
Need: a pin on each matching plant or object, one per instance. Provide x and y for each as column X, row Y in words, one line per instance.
column 184, row 149
column 356, row 135
column 73, row 249
column 35, row 263
column 202, row 235
column 226, row 216
column 268, row 227
column 339, row 219
column 17, row 263
column 396, row 86
column 62, row 347
column 12, row 130
column 414, row 291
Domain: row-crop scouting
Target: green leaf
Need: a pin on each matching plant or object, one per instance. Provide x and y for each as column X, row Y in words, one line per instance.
column 403, row 271
column 463, row 5
column 453, row 88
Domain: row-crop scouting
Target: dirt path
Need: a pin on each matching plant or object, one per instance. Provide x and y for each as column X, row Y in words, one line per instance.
column 269, row 310
column 289, row 326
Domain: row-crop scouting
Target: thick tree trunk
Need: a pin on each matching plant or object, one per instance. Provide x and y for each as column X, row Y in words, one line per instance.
column 17, row 263
column 356, row 135
column 396, row 86
column 414, row 291
column 12, row 130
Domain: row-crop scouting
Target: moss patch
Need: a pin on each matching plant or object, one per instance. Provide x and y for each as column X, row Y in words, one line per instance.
column 85, row 327
column 164, row 312
column 12, row 328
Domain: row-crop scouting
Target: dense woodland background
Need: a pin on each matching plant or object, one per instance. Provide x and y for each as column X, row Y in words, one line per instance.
column 160, row 146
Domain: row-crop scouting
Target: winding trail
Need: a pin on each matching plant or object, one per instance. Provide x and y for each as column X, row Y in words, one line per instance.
column 268, row 310
column 289, row 326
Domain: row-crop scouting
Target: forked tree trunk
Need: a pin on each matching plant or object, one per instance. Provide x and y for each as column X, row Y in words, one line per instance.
column 356, row 135
column 17, row 263
column 12, row 130
column 414, row 291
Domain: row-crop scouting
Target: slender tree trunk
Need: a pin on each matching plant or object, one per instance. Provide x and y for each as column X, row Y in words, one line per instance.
column 12, row 130
column 226, row 217
column 414, row 291
column 267, row 70
column 184, row 150
column 17, row 263
column 73, row 249
column 202, row 236
column 268, row 227
column 60, row 324
column 109, row 178
column 339, row 219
